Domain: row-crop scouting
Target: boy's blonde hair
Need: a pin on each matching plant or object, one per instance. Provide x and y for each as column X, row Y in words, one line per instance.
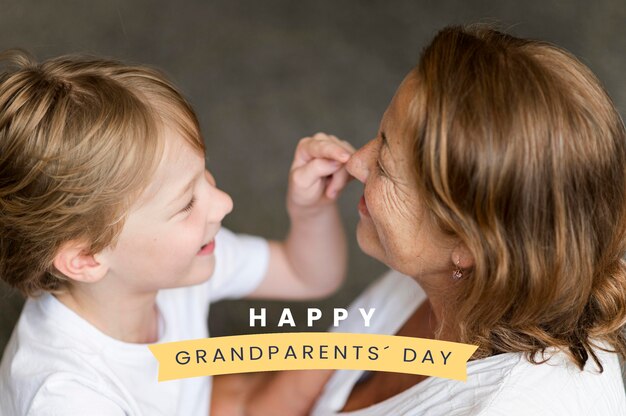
column 80, row 138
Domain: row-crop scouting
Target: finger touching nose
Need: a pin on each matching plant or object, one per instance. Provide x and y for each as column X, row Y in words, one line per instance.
column 356, row 167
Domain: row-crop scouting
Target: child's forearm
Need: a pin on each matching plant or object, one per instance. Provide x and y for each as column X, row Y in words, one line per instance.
column 311, row 262
column 316, row 247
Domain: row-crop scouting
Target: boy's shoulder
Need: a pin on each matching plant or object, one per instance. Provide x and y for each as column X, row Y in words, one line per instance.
column 56, row 358
column 45, row 362
column 53, row 352
column 49, row 337
column 46, row 390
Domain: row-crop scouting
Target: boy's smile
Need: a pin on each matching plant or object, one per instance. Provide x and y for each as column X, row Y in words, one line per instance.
column 207, row 249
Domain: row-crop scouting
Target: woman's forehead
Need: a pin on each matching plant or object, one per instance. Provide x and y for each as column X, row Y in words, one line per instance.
column 397, row 114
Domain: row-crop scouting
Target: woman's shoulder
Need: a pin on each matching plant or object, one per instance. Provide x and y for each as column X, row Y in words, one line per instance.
column 393, row 296
column 558, row 386
column 392, row 288
column 509, row 384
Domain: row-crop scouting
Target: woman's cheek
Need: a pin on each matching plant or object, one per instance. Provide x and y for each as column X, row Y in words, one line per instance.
column 371, row 192
column 382, row 198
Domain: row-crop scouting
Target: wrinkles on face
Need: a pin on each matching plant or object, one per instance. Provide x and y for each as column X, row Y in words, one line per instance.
column 395, row 210
column 397, row 230
column 399, row 190
column 398, row 201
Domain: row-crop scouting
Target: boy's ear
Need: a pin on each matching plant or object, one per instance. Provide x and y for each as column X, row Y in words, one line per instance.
column 73, row 261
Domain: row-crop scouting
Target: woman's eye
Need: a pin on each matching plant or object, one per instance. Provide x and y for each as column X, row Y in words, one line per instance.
column 189, row 205
column 380, row 168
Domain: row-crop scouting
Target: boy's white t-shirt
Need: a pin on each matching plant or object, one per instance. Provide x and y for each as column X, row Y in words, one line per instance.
column 505, row 384
column 56, row 363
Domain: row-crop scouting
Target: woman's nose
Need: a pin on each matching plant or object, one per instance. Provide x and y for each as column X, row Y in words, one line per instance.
column 359, row 164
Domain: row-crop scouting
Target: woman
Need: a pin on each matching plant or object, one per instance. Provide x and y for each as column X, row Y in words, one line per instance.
column 497, row 182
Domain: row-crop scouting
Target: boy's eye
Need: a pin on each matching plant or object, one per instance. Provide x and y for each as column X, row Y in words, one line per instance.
column 189, row 205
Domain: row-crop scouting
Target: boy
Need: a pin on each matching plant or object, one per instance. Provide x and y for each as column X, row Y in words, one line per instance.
column 110, row 224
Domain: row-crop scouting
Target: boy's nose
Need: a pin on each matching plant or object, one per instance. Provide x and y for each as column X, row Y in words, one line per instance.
column 221, row 202
column 226, row 202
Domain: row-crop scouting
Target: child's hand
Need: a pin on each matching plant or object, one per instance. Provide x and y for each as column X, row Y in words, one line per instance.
column 311, row 262
column 318, row 172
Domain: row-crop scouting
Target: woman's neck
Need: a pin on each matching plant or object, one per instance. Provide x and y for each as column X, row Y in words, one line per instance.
column 440, row 296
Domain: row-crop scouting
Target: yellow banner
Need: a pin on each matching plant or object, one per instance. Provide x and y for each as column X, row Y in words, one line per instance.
column 311, row 350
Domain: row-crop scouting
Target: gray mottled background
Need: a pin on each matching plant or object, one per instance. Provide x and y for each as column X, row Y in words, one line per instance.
column 263, row 74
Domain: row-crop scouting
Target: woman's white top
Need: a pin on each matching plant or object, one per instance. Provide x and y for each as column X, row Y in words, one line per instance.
column 505, row 384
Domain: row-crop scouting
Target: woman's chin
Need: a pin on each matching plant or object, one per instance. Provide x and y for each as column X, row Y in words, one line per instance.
column 368, row 241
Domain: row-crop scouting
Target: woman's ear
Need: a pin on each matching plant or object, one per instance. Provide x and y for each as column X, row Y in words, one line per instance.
column 462, row 257
column 74, row 262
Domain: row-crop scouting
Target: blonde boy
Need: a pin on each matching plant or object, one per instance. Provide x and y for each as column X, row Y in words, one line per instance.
column 110, row 225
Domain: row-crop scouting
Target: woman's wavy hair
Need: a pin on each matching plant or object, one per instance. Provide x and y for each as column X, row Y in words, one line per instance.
column 80, row 138
column 520, row 153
